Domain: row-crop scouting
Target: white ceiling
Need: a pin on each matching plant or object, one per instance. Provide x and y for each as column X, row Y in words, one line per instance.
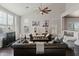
column 74, row 14
column 20, row 8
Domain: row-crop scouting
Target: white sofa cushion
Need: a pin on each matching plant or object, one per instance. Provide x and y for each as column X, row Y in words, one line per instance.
column 69, row 41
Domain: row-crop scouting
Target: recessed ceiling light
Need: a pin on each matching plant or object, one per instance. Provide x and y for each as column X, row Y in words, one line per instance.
column 27, row 7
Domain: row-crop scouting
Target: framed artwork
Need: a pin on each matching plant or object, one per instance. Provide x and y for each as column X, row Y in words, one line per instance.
column 26, row 29
column 46, row 23
column 35, row 23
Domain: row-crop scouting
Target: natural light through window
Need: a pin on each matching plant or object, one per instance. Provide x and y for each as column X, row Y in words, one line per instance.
column 3, row 18
column 10, row 20
column 6, row 21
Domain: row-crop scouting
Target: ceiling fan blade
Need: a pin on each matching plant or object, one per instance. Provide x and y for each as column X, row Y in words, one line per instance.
column 49, row 10
column 46, row 8
column 39, row 8
column 46, row 12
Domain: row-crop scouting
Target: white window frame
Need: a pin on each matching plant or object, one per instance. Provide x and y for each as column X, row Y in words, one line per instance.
column 7, row 25
column 6, row 17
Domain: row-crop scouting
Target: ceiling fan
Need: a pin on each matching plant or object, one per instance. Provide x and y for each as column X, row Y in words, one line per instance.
column 45, row 10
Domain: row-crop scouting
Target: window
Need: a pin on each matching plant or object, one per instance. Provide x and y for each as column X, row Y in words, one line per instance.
column 2, row 28
column 3, row 18
column 76, row 26
column 6, row 22
column 10, row 20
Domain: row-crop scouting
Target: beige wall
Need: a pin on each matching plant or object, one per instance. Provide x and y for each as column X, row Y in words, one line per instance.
column 70, row 8
column 54, row 18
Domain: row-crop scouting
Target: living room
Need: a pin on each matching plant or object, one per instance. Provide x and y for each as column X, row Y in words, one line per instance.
column 47, row 29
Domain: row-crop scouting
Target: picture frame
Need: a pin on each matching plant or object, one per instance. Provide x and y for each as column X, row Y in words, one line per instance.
column 26, row 29
column 35, row 23
column 45, row 23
